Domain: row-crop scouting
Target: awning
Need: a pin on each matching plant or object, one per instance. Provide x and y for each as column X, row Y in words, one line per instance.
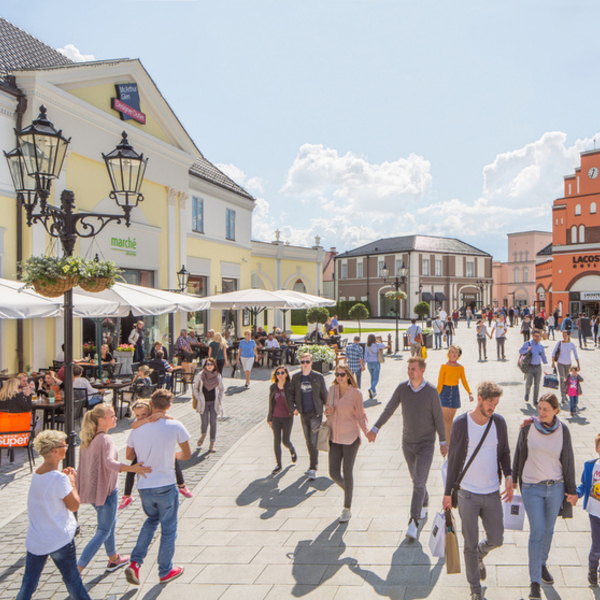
column 440, row 296
column 427, row 297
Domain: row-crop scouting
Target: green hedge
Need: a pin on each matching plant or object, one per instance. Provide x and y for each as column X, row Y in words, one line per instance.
column 340, row 309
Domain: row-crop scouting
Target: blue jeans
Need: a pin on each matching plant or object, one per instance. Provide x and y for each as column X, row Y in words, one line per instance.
column 65, row 560
column 374, row 369
column 542, row 503
column 573, row 401
column 437, row 337
column 448, row 340
column 358, row 377
column 138, row 354
column 105, row 532
column 160, row 505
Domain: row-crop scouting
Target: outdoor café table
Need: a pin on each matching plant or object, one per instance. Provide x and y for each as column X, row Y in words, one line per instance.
column 115, row 387
column 49, row 409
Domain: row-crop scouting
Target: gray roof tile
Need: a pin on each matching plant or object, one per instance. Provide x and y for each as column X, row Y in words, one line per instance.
column 419, row 243
column 206, row 170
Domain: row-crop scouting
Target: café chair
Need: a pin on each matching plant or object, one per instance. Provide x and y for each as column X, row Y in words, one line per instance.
column 80, row 403
column 16, row 431
column 130, row 396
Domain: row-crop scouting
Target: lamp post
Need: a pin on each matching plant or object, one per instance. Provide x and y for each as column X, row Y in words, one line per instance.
column 396, row 283
column 182, row 279
column 36, row 161
column 481, row 285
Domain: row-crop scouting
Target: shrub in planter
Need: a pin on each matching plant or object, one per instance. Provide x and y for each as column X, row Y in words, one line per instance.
column 51, row 276
column 318, row 353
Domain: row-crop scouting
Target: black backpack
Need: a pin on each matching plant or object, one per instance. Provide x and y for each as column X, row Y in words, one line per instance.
column 568, row 324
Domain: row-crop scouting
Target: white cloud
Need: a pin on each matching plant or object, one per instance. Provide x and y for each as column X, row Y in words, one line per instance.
column 72, row 52
column 254, row 185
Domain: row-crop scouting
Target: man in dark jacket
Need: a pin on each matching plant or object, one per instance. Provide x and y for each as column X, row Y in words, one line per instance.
column 309, row 394
column 479, row 486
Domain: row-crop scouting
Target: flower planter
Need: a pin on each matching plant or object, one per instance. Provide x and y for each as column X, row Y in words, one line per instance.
column 56, row 287
column 96, row 284
column 126, row 359
column 321, row 367
column 428, row 339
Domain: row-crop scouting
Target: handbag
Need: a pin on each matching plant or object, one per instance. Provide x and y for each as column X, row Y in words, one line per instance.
column 524, row 362
column 550, row 381
column 323, row 433
column 380, row 357
column 437, row 537
column 557, row 353
column 456, row 486
column 451, row 545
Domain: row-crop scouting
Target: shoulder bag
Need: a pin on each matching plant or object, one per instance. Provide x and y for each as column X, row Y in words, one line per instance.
column 524, row 362
column 323, row 432
column 557, row 353
column 380, row 357
column 456, row 486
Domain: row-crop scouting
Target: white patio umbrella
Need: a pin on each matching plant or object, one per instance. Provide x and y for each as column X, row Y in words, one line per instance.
column 251, row 299
column 307, row 300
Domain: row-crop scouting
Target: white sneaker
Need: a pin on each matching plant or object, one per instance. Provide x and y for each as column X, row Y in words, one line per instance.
column 312, row 474
column 423, row 513
column 412, row 532
column 307, row 472
column 345, row 516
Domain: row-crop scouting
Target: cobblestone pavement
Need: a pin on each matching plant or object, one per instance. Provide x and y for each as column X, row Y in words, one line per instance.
column 249, row 535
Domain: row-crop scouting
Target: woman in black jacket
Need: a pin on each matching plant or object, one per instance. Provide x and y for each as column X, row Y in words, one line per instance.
column 544, row 468
column 281, row 414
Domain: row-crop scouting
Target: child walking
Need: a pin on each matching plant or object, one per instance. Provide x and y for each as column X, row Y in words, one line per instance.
column 589, row 488
column 572, row 388
column 143, row 414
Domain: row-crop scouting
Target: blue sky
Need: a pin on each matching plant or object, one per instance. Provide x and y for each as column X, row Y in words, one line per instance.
column 357, row 119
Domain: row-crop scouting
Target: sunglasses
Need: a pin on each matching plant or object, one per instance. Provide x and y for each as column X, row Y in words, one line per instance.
column 305, row 362
column 281, row 373
column 342, row 374
column 63, row 446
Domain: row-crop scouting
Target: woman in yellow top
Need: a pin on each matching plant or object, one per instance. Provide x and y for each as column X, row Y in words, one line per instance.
column 450, row 374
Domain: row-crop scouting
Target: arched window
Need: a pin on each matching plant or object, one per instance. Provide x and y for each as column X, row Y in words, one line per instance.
column 577, row 210
column 299, row 286
column 516, row 275
column 581, row 234
column 526, row 255
column 256, row 282
column 514, row 257
column 593, row 208
column 525, row 275
column 520, row 257
column 574, row 234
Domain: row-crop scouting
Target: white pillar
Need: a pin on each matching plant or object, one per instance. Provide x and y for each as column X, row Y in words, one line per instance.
column 171, row 239
column 183, row 221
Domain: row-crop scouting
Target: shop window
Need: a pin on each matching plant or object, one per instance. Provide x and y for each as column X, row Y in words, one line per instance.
column 577, row 210
column 426, row 270
column 574, row 234
column 581, row 234
column 516, row 275
column 230, row 225
column 593, row 208
column 438, row 268
column 198, row 214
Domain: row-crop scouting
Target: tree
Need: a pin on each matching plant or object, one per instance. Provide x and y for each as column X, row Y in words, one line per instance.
column 317, row 314
column 422, row 309
column 358, row 312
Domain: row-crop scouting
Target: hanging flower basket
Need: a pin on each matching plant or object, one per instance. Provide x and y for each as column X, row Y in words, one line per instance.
column 53, row 288
column 96, row 284
column 399, row 295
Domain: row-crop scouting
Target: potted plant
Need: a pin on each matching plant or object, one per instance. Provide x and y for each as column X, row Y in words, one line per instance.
column 124, row 354
column 359, row 312
column 89, row 349
column 428, row 337
column 317, row 314
column 99, row 275
column 322, row 356
column 51, row 276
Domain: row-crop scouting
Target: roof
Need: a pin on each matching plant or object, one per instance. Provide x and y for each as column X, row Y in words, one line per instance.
column 20, row 50
column 418, row 243
column 206, row 170
column 545, row 251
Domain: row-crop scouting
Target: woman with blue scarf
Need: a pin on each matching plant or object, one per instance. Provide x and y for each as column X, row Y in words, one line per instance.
column 544, row 468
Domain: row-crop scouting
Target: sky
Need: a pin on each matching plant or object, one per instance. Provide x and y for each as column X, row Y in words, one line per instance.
column 356, row 120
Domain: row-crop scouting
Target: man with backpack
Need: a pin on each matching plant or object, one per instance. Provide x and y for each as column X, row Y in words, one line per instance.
column 567, row 324
column 534, row 372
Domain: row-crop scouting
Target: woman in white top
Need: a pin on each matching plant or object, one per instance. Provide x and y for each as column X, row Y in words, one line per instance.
column 371, row 359
column 51, row 502
column 544, row 467
column 500, row 329
column 561, row 358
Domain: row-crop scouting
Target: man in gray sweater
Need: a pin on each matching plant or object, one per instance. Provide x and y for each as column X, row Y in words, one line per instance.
column 423, row 418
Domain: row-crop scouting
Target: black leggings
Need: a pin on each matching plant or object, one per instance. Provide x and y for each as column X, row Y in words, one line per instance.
column 129, row 478
column 526, row 335
column 282, row 429
column 345, row 453
column 220, row 365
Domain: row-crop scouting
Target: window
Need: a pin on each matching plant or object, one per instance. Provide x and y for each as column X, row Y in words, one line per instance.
column 470, row 269
column 230, row 224
column 359, row 269
column 438, row 267
column 516, row 275
column 514, row 257
column 577, row 210
column 578, row 185
column 574, row 234
column 526, row 255
column 569, row 189
column 426, row 270
column 556, row 223
column 198, row 214
column 582, row 234
column 593, row 208
column 520, row 256
column 525, row 274
column 381, row 265
column 344, row 271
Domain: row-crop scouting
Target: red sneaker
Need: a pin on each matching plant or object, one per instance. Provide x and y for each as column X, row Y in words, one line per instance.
column 173, row 574
column 132, row 573
column 185, row 491
column 125, row 502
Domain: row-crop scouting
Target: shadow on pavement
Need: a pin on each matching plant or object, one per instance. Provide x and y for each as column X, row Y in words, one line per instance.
column 153, row 592
column 8, row 571
column 272, row 499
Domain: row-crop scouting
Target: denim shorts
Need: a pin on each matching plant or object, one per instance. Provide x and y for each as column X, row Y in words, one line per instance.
column 450, row 396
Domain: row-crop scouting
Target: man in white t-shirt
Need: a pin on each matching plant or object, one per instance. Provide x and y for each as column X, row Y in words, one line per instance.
column 272, row 342
column 94, row 396
column 443, row 315
column 154, row 444
column 499, row 332
column 479, row 486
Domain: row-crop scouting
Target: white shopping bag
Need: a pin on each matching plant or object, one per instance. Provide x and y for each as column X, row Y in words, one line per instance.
column 444, row 473
column 437, row 537
column 514, row 513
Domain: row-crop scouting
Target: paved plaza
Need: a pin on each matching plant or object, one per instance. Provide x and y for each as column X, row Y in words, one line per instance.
column 249, row 535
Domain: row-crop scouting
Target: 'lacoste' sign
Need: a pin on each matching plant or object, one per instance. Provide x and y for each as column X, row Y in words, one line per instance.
column 129, row 246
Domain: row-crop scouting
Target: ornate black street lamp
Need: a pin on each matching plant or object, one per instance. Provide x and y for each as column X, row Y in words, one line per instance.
column 182, row 279
column 37, row 160
column 481, row 285
column 396, row 283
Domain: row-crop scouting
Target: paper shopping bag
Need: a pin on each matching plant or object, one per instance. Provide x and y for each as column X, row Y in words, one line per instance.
column 451, row 545
column 438, row 536
column 323, row 435
column 444, row 470
column 514, row 513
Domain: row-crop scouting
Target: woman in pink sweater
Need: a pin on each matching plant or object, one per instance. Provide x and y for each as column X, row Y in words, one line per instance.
column 346, row 416
column 97, row 479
